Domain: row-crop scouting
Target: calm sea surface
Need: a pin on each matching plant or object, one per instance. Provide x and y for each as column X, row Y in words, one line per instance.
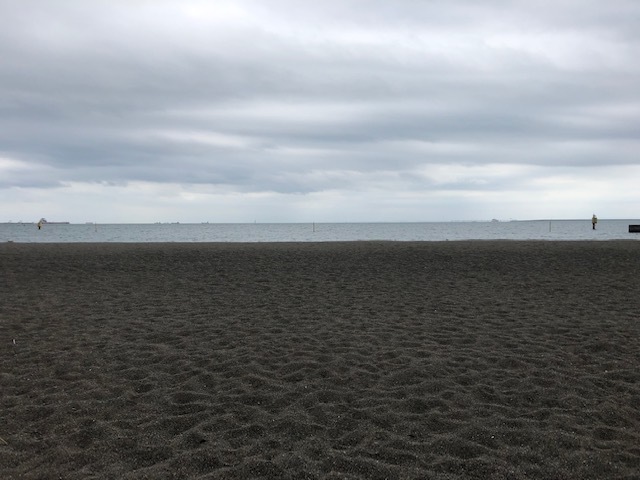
column 319, row 232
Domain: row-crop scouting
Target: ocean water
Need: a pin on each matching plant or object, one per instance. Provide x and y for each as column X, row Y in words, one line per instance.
column 319, row 232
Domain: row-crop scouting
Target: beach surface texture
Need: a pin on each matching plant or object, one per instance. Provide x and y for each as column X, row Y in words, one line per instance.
column 361, row 360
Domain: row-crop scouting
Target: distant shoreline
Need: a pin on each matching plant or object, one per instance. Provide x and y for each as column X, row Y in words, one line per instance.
column 588, row 220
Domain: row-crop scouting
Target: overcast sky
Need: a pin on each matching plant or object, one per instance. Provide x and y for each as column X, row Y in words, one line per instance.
column 334, row 110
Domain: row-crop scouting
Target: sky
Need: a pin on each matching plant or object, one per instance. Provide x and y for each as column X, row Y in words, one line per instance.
column 141, row 111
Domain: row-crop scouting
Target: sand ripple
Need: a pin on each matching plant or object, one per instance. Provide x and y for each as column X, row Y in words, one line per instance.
column 505, row 360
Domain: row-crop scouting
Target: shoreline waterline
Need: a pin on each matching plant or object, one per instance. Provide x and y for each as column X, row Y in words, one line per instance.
column 319, row 232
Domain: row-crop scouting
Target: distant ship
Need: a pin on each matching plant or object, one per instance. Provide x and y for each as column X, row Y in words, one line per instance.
column 44, row 220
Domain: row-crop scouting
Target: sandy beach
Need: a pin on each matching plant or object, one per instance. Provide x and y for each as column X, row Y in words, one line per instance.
column 360, row 360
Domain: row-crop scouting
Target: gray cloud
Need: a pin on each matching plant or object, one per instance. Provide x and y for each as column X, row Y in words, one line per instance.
column 288, row 98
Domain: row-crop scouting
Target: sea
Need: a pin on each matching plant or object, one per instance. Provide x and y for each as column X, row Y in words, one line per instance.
column 319, row 232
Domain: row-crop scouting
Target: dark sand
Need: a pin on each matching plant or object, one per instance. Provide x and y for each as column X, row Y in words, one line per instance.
column 453, row 360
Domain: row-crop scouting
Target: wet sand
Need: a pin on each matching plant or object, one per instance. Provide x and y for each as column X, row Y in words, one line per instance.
column 362, row 360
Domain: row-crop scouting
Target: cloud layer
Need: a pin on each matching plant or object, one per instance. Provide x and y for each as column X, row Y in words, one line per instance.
column 342, row 110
